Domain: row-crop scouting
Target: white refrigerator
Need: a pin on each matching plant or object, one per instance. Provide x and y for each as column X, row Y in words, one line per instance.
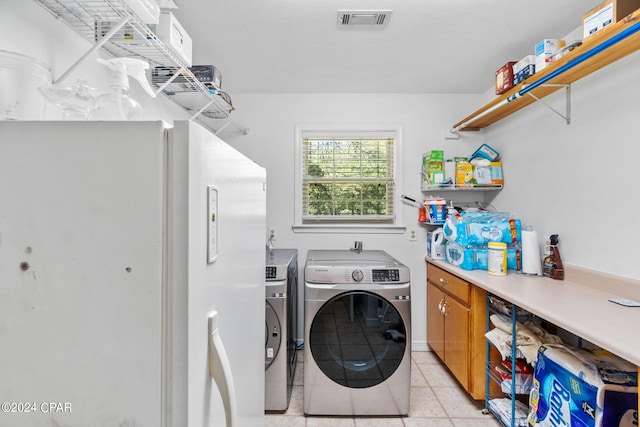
column 119, row 244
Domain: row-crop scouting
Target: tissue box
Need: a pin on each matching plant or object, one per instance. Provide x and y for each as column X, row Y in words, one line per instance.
column 544, row 50
column 524, row 68
column 605, row 14
column 504, row 78
column 575, row 387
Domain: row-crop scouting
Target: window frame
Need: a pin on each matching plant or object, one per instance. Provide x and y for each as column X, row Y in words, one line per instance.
column 396, row 225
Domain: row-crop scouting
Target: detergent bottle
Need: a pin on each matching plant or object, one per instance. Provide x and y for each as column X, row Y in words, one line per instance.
column 552, row 263
column 437, row 247
column 116, row 104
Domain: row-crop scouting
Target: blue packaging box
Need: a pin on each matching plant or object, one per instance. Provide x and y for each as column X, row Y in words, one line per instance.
column 578, row 388
column 524, row 73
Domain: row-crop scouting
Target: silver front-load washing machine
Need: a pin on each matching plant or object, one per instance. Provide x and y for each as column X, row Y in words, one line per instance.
column 281, row 331
column 357, row 351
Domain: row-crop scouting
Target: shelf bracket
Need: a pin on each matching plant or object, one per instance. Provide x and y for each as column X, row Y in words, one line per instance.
column 94, row 48
column 567, row 115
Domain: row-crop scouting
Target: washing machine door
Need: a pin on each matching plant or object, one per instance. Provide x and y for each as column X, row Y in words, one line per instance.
column 272, row 335
column 358, row 339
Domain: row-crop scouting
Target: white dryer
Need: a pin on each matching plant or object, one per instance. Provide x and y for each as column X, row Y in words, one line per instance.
column 357, row 351
column 281, row 291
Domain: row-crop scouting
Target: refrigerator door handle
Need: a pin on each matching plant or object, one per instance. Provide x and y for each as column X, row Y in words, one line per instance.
column 220, row 370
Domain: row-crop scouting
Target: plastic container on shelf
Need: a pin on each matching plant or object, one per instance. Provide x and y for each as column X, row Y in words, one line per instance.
column 497, row 261
column 20, row 78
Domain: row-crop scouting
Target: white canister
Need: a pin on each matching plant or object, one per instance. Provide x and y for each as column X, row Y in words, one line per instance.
column 497, row 260
column 436, row 210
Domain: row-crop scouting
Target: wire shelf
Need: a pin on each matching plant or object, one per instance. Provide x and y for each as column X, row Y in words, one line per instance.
column 113, row 26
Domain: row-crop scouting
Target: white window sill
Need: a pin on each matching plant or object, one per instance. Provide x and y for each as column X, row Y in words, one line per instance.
column 348, row 228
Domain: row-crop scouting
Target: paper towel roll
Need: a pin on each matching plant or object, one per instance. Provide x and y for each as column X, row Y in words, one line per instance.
column 531, row 262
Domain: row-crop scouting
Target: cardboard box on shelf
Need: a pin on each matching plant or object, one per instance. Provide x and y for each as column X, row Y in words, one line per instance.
column 606, row 14
column 496, row 173
column 433, row 164
column 481, row 175
column 524, row 68
column 504, row 78
column 464, row 174
column 544, row 49
column 175, row 38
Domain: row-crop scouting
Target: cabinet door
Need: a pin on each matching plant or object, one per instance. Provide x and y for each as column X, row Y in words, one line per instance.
column 456, row 332
column 435, row 320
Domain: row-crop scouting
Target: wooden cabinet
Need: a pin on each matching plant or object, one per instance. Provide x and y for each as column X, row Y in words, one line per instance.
column 456, row 322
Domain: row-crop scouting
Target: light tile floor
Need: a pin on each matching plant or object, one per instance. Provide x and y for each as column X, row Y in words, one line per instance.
column 437, row 400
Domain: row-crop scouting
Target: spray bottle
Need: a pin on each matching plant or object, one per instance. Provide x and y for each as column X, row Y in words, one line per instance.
column 552, row 263
column 117, row 104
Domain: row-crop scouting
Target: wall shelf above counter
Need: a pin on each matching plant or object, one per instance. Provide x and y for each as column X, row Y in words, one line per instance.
column 596, row 52
column 456, row 187
column 112, row 26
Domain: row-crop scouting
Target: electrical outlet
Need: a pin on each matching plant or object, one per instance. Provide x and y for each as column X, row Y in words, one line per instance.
column 413, row 234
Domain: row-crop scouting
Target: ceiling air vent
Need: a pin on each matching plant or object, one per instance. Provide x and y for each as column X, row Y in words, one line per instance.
column 363, row 17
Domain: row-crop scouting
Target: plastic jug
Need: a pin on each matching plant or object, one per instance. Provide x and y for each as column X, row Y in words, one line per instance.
column 20, row 78
column 438, row 244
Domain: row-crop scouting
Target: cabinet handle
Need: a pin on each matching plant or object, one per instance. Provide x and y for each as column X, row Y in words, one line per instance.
column 441, row 305
column 443, row 281
column 444, row 308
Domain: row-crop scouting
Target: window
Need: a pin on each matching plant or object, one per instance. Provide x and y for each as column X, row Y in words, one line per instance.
column 346, row 177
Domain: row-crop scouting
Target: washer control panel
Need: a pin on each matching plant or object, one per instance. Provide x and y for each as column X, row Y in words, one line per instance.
column 387, row 275
column 346, row 267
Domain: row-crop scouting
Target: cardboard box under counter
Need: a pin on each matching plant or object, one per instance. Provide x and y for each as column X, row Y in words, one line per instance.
column 578, row 388
column 606, row 14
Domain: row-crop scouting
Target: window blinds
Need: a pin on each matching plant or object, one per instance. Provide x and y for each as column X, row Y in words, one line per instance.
column 348, row 179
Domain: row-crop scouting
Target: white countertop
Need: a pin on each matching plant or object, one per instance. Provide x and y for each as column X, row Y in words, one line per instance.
column 577, row 304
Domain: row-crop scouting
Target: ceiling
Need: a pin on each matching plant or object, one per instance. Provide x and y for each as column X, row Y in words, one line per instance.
column 427, row 46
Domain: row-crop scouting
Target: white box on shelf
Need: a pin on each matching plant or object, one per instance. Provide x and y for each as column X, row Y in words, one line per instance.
column 544, row 50
column 171, row 33
column 524, row 68
column 147, row 10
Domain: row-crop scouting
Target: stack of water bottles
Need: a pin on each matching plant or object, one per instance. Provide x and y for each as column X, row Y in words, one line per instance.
column 469, row 235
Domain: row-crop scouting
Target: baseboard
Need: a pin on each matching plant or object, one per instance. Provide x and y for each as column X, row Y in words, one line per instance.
column 419, row 346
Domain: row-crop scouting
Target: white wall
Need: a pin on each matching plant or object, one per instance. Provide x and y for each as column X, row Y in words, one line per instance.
column 270, row 142
column 577, row 180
